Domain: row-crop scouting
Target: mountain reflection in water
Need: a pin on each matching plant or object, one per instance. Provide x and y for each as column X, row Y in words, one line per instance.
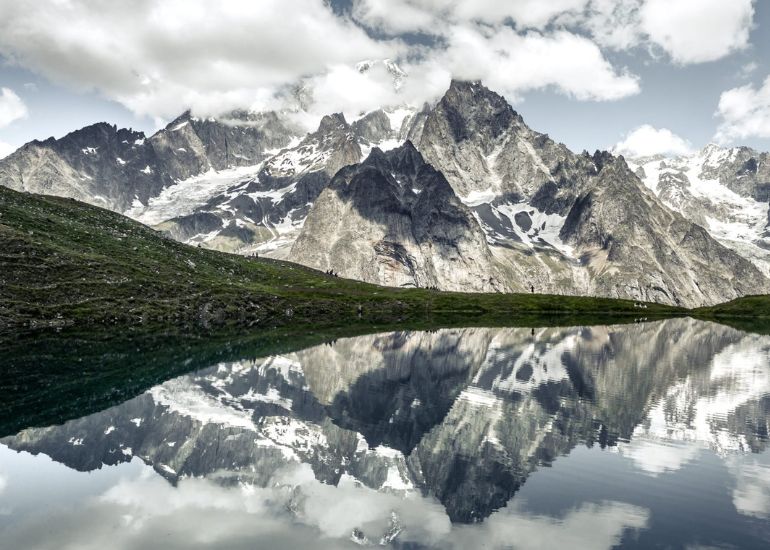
column 638, row 435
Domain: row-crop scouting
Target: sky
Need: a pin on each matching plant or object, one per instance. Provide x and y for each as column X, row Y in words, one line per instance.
column 640, row 76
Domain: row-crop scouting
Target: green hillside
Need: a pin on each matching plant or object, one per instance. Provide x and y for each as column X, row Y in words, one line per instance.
column 63, row 262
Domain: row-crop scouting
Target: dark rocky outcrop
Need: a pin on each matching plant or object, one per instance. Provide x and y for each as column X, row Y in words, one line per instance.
column 394, row 219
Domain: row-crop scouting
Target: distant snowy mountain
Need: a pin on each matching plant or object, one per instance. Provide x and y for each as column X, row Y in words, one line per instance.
column 725, row 190
column 396, row 72
column 121, row 169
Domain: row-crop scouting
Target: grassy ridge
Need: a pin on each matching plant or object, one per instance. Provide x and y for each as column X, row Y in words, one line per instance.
column 63, row 262
column 748, row 306
column 750, row 313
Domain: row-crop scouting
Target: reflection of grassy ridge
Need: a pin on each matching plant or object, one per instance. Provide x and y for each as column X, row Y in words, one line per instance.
column 49, row 377
column 63, row 262
column 750, row 313
column 758, row 325
column 755, row 306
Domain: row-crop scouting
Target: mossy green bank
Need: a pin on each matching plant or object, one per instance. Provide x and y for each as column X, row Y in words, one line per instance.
column 65, row 263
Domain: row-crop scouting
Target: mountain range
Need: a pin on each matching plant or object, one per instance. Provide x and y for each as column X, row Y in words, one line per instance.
column 458, row 195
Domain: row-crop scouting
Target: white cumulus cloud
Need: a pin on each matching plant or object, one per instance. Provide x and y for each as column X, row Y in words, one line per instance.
column 399, row 16
column 611, row 23
column 647, row 140
column 431, row 16
column 695, row 31
column 512, row 63
column 156, row 56
column 690, row 31
column 744, row 112
column 159, row 57
column 513, row 47
column 11, row 107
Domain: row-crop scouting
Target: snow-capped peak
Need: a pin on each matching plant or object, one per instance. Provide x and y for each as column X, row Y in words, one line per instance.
column 397, row 73
column 709, row 188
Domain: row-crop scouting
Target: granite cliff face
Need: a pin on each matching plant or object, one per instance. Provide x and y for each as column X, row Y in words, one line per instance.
column 635, row 247
column 395, row 220
column 572, row 223
column 190, row 145
column 98, row 164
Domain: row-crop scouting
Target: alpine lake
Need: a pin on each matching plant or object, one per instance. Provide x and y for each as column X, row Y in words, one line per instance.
column 641, row 435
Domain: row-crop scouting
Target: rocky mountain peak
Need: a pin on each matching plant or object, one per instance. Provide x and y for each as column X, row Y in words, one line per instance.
column 483, row 147
column 378, row 179
column 100, row 132
column 402, row 170
column 332, row 146
column 185, row 116
column 472, row 107
column 394, row 219
column 333, row 123
column 408, row 153
column 396, row 73
column 375, row 158
column 373, row 127
column 603, row 158
column 90, row 137
column 711, row 148
column 404, row 159
column 37, row 142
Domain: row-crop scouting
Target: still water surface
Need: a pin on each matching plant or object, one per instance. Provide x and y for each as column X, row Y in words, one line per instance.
column 636, row 436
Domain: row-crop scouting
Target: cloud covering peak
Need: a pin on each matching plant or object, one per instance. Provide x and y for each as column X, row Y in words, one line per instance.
column 159, row 57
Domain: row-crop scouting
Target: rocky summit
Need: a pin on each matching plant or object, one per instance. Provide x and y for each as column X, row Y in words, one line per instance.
column 394, row 219
column 260, row 208
column 458, row 195
column 572, row 223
